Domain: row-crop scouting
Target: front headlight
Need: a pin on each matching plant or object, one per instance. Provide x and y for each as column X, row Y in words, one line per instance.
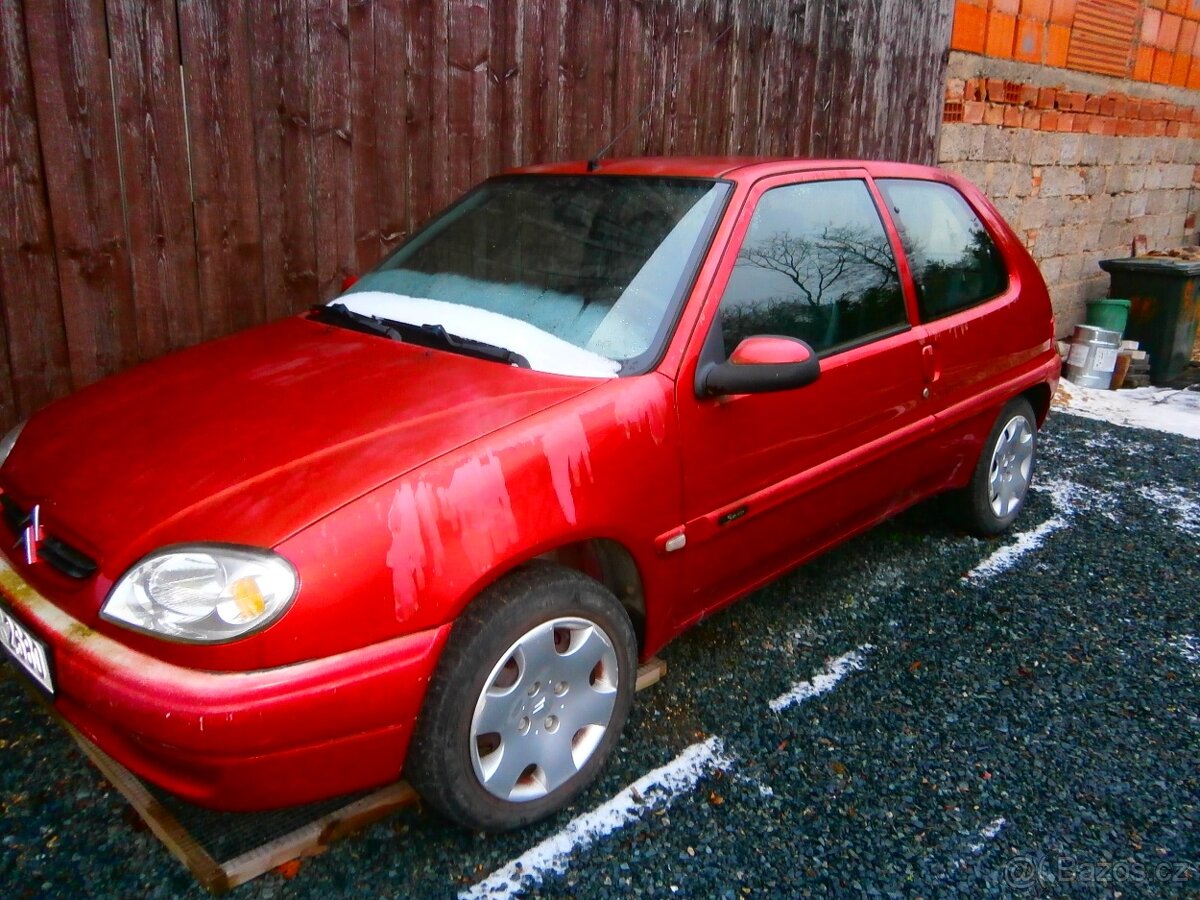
column 203, row 593
column 9, row 441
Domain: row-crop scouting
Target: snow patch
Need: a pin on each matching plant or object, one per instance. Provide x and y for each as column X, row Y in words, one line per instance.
column 988, row 833
column 553, row 855
column 545, row 352
column 1182, row 505
column 825, row 680
column 1160, row 409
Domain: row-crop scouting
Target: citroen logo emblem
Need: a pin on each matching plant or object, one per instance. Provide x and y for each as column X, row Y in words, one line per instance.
column 32, row 535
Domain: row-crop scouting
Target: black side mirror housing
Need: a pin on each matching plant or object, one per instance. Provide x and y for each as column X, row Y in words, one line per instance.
column 760, row 365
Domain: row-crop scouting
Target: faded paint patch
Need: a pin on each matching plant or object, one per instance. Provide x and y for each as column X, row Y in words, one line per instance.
column 416, row 545
column 476, row 502
column 565, row 444
column 473, row 511
column 641, row 406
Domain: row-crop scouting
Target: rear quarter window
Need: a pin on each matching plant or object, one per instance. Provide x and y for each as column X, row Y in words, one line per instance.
column 955, row 262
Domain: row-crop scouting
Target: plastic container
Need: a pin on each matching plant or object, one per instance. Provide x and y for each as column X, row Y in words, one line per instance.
column 1093, row 357
column 1162, row 315
column 1108, row 313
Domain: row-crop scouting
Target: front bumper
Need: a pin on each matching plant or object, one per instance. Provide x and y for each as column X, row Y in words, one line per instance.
column 242, row 740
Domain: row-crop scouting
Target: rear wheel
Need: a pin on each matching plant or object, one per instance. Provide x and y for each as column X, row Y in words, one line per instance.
column 529, row 697
column 996, row 494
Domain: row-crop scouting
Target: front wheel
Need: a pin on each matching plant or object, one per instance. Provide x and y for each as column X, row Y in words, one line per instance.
column 529, row 697
column 996, row 494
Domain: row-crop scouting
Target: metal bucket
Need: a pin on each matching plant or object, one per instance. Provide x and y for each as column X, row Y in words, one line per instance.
column 1093, row 356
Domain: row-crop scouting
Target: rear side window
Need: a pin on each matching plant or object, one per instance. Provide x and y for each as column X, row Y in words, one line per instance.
column 955, row 263
column 815, row 264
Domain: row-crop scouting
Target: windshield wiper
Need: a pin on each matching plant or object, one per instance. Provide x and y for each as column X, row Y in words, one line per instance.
column 435, row 337
column 443, row 339
column 340, row 314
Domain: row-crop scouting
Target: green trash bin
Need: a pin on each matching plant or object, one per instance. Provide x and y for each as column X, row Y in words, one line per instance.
column 1162, row 312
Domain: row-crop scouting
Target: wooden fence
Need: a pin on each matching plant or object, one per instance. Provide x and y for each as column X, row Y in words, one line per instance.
column 172, row 170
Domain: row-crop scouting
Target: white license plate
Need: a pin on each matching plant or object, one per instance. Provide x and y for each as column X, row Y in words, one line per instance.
column 26, row 649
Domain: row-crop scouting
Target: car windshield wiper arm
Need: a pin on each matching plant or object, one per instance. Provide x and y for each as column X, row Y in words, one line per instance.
column 443, row 339
column 340, row 314
column 433, row 336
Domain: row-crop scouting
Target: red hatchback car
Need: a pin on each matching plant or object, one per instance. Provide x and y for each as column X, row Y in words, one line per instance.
column 429, row 528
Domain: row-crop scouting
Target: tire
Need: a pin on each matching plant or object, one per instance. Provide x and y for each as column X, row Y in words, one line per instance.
column 528, row 700
column 996, row 494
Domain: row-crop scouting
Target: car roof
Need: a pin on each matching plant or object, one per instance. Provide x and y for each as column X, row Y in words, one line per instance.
column 734, row 168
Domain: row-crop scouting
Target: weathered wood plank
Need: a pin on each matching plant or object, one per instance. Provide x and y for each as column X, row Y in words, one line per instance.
column 364, row 114
column 468, row 49
column 68, row 53
column 440, row 192
column 629, row 88
column 386, row 80
column 504, row 95
column 217, row 78
column 143, row 39
column 534, row 127
column 34, row 364
column 283, row 154
column 419, row 109
column 333, row 199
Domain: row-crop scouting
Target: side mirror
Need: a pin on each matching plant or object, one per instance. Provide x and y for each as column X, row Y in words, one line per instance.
column 762, row 364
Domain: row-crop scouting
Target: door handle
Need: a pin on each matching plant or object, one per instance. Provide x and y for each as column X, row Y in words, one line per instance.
column 929, row 364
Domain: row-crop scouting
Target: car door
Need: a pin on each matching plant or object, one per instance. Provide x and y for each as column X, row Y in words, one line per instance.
column 771, row 478
column 974, row 338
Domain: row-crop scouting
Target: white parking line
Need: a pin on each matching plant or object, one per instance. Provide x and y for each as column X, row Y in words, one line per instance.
column 825, row 680
column 552, row 856
column 1062, row 495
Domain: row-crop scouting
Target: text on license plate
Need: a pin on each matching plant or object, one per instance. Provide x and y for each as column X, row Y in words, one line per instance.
column 26, row 649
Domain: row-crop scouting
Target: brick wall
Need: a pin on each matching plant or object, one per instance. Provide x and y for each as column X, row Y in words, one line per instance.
column 1156, row 41
column 1082, row 123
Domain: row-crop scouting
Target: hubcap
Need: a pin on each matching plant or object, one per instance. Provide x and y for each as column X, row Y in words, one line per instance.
column 544, row 709
column 1012, row 465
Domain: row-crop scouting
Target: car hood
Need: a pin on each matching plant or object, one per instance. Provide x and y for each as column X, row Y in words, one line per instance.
column 250, row 438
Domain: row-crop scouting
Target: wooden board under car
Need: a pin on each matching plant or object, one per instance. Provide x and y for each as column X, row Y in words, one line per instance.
column 277, row 846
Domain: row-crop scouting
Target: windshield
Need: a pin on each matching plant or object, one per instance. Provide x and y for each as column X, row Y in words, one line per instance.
column 581, row 275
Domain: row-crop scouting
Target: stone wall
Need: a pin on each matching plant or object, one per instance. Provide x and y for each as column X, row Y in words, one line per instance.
column 1079, row 165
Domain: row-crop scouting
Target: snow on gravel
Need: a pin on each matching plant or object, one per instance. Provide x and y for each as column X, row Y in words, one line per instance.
column 1161, row 409
column 1183, row 506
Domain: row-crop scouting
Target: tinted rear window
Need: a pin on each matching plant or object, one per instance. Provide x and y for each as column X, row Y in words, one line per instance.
column 955, row 263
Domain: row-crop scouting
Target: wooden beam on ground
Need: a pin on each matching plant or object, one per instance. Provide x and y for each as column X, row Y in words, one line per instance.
column 307, row 840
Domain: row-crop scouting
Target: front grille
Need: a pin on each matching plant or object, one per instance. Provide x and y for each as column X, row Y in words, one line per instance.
column 55, row 552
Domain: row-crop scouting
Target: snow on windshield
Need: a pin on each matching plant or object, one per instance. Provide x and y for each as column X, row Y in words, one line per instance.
column 545, row 352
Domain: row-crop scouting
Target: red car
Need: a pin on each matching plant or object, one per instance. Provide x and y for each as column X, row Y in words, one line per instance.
column 429, row 528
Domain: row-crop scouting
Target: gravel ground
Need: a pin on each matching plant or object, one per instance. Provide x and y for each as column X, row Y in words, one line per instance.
column 1029, row 730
